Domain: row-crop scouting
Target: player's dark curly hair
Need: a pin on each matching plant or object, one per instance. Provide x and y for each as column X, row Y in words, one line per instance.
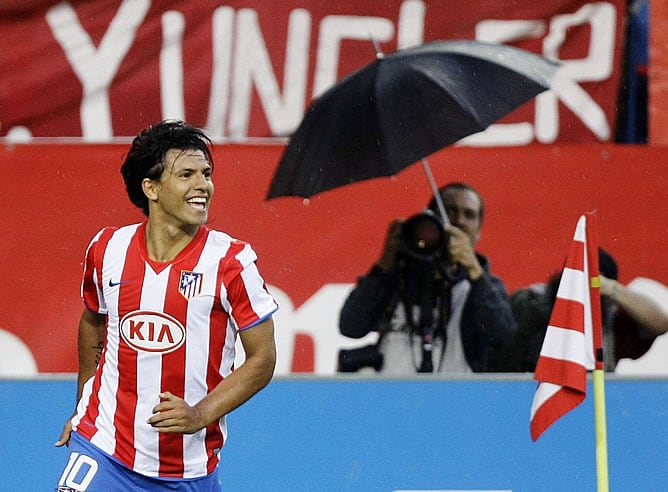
column 146, row 157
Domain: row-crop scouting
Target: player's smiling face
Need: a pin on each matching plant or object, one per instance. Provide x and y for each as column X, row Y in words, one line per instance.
column 183, row 194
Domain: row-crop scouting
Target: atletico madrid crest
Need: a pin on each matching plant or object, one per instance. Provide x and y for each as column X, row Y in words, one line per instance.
column 190, row 284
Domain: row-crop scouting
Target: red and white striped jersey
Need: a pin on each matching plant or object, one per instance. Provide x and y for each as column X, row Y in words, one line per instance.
column 170, row 327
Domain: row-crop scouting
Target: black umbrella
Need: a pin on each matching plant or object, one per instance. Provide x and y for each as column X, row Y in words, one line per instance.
column 403, row 107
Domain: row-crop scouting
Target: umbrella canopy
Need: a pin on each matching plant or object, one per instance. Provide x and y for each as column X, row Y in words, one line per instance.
column 403, row 107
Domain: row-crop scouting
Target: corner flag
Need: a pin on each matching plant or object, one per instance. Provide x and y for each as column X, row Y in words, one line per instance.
column 573, row 340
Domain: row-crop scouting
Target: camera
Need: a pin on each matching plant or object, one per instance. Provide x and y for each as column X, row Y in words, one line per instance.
column 352, row 360
column 423, row 236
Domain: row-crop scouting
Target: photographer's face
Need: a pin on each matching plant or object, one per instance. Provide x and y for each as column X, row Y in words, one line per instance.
column 463, row 208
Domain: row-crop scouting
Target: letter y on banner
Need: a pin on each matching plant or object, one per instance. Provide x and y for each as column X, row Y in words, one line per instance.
column 573, row 340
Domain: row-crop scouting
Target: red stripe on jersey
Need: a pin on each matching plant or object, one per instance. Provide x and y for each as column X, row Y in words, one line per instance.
column 230, row 273
column 218, row 321
column 214, row 441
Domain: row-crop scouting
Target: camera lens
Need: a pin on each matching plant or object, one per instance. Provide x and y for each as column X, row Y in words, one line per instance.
column 423, row 235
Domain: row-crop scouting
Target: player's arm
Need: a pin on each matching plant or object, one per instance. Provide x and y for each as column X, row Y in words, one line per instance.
column 92, row 328
column 173, row 414
column 92, row 331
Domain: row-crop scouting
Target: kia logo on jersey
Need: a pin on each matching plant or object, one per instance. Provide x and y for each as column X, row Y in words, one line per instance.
column 148, row 331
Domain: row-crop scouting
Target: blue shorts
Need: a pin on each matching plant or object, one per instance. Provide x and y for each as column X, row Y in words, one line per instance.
column 89, row 469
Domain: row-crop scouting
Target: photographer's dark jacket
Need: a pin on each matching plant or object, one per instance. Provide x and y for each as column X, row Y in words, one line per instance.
column 486, row 323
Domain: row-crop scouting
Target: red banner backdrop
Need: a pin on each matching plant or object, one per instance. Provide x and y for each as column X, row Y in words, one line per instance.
column 99, row 68
column 56, row 197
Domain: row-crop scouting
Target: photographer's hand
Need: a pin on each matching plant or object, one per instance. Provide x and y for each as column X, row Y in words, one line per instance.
column 462, row 252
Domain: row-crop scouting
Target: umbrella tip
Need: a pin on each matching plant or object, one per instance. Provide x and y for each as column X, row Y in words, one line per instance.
column 376, row 47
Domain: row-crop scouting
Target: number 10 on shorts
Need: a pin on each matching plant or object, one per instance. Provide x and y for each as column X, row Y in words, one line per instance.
column 78, row 473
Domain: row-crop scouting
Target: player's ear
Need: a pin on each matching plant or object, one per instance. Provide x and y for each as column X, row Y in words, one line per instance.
column 150, row 188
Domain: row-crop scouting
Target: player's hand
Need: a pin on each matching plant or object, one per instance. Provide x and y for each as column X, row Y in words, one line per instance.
column 65, row 435
column 173, row 414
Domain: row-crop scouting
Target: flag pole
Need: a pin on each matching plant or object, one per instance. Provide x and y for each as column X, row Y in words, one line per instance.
column 601, row 431
column 598, row 375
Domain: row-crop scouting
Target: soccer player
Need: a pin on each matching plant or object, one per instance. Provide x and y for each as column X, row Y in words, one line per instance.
column 165, row 300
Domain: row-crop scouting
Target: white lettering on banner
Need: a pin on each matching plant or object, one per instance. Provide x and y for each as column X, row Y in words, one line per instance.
column 96, row 68
column 171, row 66
column 334, row 29
column 508, row 31
column 241, row 63
column 596, row 66
column 222, row 24
column 252, row 63
column 410, row 31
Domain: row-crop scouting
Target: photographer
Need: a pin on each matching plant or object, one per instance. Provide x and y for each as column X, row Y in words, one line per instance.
column 441, row 311
column 632, row 317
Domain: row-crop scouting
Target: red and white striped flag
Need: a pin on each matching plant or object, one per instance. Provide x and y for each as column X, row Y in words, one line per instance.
column 573, row 339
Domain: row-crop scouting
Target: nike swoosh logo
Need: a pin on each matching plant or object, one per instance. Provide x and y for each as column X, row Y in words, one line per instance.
column 114, row 284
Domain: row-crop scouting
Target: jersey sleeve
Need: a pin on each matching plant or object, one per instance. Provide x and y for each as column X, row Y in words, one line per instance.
column 92, row 292
column 249, row 300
